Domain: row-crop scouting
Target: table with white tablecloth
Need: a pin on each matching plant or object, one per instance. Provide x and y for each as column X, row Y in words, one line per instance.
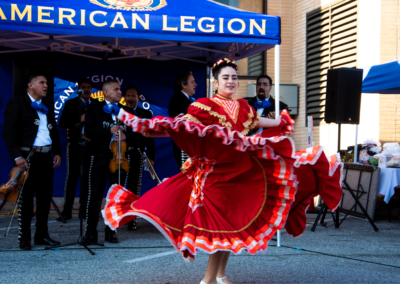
column 389, row 179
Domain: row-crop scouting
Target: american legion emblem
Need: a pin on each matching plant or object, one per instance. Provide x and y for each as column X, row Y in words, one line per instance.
column 37, row 121
column 131, row 5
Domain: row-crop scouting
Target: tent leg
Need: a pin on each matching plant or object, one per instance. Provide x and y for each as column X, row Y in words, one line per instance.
column 277, row 80
column 209, row 82
column 277, row 110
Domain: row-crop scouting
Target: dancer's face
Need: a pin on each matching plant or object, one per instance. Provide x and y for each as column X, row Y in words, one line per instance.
column 227, row 82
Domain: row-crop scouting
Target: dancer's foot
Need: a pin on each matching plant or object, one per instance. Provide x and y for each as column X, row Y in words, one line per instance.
column 223, row 280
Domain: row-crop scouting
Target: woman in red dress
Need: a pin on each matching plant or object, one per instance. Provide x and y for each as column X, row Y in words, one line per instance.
column 235, row 191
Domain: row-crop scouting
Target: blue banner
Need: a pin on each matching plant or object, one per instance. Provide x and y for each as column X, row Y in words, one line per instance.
column 195, row 20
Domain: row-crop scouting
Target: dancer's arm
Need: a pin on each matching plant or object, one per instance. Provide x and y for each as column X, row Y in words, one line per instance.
column 154, row 134
column 267, row 122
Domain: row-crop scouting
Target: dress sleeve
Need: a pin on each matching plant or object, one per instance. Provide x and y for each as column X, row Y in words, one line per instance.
column 199, row 112
column 250, row 116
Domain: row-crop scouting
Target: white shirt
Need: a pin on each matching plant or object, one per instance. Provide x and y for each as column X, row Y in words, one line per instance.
column 43, row 134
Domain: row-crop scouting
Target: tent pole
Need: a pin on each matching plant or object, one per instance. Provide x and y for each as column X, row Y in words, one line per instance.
column 209, row 82
column 277, row 110
column 277, row 80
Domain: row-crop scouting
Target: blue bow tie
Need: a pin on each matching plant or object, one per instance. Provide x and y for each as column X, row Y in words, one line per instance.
column 39, row 107
column 262, row 104
column 111, row 109
column 192, row 100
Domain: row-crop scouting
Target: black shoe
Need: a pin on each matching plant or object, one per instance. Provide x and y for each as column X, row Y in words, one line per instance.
column 91, row 239
column 110, row 236
column 132, row 225
column 45, row 241
column 25, row 245
column 65, row 216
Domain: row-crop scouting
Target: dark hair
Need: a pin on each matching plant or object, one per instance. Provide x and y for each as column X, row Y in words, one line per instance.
column 181, row 78
column 217, row 69
column 266, row 77
column 132, row 87
column 32, row 77
column 84, row 80
column 107, row 83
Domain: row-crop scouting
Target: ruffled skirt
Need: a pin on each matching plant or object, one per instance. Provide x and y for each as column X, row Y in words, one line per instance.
column 233, row 193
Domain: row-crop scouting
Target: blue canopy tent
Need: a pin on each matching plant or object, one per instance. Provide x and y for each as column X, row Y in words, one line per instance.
column 382, row 79
column 200, row 31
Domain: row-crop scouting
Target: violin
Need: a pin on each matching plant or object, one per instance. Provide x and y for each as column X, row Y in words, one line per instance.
column 119, row 160
column 9, row 191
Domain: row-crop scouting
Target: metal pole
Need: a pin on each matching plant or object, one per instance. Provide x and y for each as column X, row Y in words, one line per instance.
column 277, row 80
column 356, row 146
column 209, row 82
column 277, row 110
column 278, row 237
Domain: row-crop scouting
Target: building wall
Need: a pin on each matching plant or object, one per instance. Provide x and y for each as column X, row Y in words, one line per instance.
column 389, row 112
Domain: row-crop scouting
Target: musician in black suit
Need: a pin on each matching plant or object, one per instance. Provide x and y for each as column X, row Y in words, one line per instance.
column 101, row 129
column 185, row 88
column 137, row 141
column 28, row 123
column 73, row 118
column 263, row 101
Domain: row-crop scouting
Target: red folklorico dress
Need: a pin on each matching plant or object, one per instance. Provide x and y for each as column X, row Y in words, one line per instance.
column 235, row 191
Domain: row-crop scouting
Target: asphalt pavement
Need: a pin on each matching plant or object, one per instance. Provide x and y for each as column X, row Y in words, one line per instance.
column 354, row 253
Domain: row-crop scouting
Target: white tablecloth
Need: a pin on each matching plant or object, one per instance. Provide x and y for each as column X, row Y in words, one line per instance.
column 390, row 177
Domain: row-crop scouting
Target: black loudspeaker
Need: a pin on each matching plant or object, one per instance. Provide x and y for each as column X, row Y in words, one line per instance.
column 21, row 69
column 343, row 96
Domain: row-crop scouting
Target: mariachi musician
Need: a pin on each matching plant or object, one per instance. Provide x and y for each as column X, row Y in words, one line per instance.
column 73, row 118
column 185, row 87
column 136, row 142
column 28, row 123
column 101, row 129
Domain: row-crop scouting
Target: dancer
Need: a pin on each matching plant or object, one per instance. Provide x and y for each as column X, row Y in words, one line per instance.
column 235, row 191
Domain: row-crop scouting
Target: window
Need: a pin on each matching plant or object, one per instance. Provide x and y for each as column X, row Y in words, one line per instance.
column 251, row 66
column 331, row 43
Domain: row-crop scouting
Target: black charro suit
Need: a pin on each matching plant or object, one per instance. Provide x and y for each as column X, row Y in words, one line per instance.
column 266, row 111
column 21, row 124
column 178, row 104
column 98, row 125
column 71, row 119
column 138, row 141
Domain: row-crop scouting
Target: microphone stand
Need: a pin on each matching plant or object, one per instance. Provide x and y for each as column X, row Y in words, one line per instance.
column 81, row 239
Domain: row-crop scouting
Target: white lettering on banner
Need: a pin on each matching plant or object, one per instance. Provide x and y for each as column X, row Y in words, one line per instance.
column 121, row 20
column 146, row 105
column 104, row 78
column 57, row 107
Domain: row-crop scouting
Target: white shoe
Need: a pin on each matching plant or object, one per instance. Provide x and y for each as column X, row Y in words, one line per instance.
column 221, row 280
column 202, row 282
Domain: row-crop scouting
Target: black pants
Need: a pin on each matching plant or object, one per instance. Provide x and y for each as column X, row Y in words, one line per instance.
column 179, row 155
column 135, row 172
column 74, row 159
column 98, row 173
column 40, row 181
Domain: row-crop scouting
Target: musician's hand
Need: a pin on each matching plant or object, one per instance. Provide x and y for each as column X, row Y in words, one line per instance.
column 56, row 161
column 114, row 129
column 22, row 164
column 83, row 118
column 151, row 162
column 123, row 136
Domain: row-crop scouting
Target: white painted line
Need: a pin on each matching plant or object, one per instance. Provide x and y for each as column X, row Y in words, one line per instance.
column 150, row 256
column 33, row 224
